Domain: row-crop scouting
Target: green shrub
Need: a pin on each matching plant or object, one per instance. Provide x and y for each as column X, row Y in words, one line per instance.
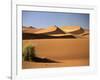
column 28, row 53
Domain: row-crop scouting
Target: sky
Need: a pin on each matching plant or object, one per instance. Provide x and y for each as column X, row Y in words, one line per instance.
column 44, row 19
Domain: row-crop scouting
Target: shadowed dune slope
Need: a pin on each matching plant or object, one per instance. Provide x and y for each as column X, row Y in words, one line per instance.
column 49, row 33
column 27, row 36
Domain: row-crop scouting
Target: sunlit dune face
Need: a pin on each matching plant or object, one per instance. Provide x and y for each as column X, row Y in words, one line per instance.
column 30, row 30
column 70, row 28
column 60, row 35
column 66, row 29
column 49, row 29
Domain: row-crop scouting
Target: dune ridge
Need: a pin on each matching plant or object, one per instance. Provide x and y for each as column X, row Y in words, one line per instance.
column 54, row 31
column 50, row 30
column 68, row 29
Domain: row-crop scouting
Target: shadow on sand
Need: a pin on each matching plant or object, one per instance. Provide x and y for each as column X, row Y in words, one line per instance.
column 43, row 60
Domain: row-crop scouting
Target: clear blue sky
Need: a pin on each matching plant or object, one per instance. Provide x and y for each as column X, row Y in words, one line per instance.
column 44, row 19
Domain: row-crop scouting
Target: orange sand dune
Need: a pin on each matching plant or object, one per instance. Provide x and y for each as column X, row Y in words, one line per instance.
column 50, row 30
column 54, row 31
column 69, row 45
column 68, row 29
column 81, row 34
column 74, row 30
column 30, row 30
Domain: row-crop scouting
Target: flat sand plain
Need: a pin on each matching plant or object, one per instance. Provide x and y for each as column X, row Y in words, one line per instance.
column 67, row 52
column 63, row 63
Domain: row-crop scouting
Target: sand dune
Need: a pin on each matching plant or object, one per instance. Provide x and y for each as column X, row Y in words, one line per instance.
column 30, row 30
column 74, row 30
column 76, row 47
column 54, row 31
column 68, row 45
column 27, row 36
column 68, row 29
column 50, row 30
column 49, row 33
column 68, row 52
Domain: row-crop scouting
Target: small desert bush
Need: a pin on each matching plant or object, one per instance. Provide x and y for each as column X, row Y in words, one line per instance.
column 28, row 53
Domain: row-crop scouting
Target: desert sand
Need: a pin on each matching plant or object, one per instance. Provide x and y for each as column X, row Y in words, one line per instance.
column 67, row 45
column 62, row 63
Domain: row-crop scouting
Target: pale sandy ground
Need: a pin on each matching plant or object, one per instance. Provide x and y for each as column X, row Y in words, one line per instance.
column 69, row 52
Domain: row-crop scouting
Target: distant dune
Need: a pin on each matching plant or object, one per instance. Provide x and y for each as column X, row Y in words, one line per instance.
column 54, row 32
column 47, row 30
column 76, row 31
column 51, row 30
column 29, row 29
column 68, row 29
column 27, row 36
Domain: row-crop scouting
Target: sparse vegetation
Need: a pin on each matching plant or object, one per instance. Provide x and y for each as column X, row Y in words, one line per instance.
column 28, row 53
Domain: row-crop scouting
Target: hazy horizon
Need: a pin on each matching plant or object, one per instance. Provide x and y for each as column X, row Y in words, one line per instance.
column 42, row 19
